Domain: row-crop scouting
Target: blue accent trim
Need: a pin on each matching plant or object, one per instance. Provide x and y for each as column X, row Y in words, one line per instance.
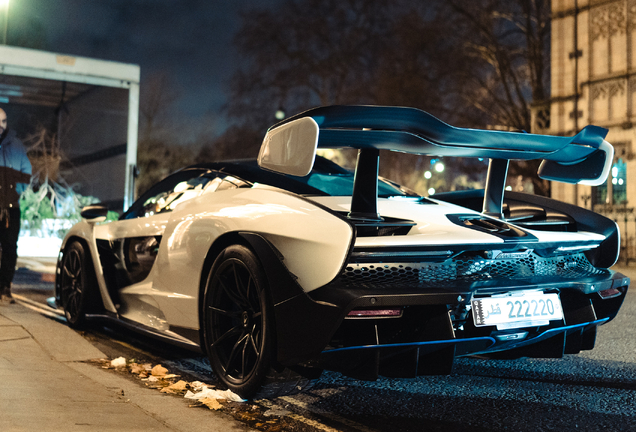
column 574, row 326
column 545, row 335
column 553, row 332
column 415, row 344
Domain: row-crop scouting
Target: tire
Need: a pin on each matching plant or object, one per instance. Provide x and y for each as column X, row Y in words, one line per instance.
column 238, row 329
column 76, row 283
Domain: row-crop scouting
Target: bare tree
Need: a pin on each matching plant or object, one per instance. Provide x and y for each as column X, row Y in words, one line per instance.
column 235, row 143
column 508, row 41
column 158, row 96
column 161, row 148
column 471, row 63
column 308, row 53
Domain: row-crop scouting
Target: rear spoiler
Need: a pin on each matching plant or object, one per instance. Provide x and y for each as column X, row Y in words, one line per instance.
column 290, row 147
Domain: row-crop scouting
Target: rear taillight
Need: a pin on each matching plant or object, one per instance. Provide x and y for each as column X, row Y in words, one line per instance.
column 609, row 293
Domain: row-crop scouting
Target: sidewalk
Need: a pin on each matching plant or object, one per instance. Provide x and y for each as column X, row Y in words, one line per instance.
column 45, row 385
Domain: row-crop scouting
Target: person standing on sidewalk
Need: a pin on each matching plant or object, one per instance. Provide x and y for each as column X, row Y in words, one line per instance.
column 15, row 174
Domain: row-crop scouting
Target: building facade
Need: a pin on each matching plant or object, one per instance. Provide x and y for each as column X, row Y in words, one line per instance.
column 593, row 74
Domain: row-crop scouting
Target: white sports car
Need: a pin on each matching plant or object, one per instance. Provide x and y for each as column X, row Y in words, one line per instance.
column 292, row 261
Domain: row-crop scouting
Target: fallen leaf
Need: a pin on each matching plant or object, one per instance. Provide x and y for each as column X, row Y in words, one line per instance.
column 175, row 388
column 159, row 371
column 179, row 385
column 213, row 404
column 137, row 368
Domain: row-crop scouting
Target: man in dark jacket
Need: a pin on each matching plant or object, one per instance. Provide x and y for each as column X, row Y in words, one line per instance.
column 15, row 174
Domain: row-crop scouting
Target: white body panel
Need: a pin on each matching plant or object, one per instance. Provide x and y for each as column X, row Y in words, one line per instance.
column 169, row 295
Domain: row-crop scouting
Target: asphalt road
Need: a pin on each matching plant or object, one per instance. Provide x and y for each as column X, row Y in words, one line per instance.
column 591, row 391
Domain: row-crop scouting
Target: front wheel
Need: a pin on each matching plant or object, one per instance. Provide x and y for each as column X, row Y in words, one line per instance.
column 237, row 322
column 75, row 284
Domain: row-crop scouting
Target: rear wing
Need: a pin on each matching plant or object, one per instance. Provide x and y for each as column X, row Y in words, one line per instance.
column 290, row 147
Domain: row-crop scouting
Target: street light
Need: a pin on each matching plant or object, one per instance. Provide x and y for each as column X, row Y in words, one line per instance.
column 4, row 4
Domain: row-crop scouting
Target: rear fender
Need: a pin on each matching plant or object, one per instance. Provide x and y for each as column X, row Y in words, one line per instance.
column 297, row 336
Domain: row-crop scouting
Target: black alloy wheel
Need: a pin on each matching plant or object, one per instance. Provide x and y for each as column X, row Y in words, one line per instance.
column 74, row 284
column 237, row 323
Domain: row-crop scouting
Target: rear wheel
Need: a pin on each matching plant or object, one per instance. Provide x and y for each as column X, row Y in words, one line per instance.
column 75, row 284
column 237, row 322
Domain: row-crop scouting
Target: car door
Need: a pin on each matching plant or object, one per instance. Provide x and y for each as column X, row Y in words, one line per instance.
column 128, row 247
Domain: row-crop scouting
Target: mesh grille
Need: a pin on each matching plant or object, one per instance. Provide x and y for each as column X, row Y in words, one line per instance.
column 387, row 275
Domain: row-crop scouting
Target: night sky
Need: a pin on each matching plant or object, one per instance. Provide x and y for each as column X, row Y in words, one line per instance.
column 189, row 40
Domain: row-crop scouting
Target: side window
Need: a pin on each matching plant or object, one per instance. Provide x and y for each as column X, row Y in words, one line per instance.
column 165, row 195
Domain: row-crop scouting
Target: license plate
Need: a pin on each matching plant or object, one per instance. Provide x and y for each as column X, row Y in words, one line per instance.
column 515, row 311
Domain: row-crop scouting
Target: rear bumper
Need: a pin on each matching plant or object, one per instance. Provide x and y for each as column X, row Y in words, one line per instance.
column 435, row 326
column 428, row 336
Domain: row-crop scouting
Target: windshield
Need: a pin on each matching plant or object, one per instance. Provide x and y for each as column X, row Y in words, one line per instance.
column 342, row 185
column 326, row 178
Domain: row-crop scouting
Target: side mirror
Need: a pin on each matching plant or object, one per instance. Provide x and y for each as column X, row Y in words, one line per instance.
column 94, row 213
column 290, row 148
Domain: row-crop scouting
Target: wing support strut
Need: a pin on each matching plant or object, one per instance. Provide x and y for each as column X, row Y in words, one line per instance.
column 364, row 201
column 495, row 184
